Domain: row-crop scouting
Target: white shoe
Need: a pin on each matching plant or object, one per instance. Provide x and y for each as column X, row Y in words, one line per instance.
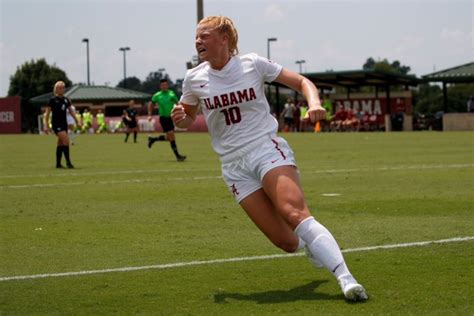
column 352, row 290
column 315, row 262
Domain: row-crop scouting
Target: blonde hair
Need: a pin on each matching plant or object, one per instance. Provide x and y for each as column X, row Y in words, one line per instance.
column 56, row 86
column 224, row 25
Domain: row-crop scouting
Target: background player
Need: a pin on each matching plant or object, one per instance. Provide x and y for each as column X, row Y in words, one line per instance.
column 165, row 99
column 130, row 121
column 59, row 105
column 257, row 165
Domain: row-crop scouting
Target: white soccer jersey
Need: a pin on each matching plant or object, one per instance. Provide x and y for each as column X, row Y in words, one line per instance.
column 233, row 100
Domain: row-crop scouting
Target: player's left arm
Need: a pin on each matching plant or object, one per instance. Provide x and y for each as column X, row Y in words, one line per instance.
column 304, row 86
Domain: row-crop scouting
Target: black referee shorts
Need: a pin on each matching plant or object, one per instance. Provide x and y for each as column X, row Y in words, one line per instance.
column 166, row 123
column 57, row 128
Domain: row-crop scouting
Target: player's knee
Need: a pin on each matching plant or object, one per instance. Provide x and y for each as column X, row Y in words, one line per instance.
column 293, row 214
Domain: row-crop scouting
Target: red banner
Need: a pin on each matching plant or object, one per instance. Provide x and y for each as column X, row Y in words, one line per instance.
column 10, row 115
column 377, row 106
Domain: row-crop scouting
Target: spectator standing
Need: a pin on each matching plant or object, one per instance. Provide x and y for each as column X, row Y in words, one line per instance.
column 287, row 114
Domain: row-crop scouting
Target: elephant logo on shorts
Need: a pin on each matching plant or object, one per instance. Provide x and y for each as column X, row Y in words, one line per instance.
column 234, row 190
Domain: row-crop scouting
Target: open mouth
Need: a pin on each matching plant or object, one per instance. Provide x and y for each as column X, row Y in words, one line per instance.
column 201, row 50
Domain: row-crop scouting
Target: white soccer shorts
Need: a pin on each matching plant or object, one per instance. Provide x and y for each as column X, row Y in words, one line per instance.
column 243, row 171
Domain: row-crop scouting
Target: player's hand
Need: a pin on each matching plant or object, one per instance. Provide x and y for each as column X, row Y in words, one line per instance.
column 178, row 114
column 150, row 118
column 316, row 113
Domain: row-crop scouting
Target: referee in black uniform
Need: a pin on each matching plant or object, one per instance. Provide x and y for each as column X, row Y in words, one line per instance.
column 58, row 105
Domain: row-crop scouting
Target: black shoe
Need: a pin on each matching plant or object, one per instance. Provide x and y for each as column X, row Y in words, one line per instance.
column 150, row 141
column 181, row 158
column 59, row 167
column 70, row 166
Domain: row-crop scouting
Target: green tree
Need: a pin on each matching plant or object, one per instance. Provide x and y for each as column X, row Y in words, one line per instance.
column 131, row 83
column 31, row 79
column 458, row 95
column 385, row 65
column 428, row 99
column 152, row 82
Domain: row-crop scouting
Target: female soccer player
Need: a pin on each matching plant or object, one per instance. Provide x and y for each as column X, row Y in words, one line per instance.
column 59, row 105
column 257, row 165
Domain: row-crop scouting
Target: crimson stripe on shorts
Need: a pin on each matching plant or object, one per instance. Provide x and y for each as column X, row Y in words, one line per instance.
column 278, row 148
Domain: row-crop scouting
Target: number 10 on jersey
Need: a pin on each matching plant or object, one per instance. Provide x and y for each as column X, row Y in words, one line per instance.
column 232, row 115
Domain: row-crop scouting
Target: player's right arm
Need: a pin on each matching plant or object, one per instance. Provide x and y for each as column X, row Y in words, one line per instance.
column 184, row 115
column 46, row 120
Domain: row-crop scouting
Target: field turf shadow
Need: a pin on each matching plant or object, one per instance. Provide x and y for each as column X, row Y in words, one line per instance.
column 300, row 293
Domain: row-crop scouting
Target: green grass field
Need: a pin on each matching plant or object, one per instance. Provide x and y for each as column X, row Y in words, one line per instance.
column 128, row 206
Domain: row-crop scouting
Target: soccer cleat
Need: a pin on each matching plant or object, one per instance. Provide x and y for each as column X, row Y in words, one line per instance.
column 315, row 262
column 59, row 167
column 150, row 141
column 70, row 166
column 181, row 158
column 352, row 290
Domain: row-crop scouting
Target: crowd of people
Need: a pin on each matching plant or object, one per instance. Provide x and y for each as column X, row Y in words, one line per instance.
column 294, row 118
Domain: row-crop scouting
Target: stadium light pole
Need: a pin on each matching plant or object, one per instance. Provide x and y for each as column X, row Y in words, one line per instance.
column 300, row 62
column 271, row 39
column 124, row 50
column 162, row 71
column 86, row 40
column 200, row 10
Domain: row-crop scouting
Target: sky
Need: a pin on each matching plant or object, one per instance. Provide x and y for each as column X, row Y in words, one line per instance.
column 328, row 35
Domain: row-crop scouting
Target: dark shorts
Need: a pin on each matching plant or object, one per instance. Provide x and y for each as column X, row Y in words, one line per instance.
column 166, row 123
column 130, row 124
column 59, row 128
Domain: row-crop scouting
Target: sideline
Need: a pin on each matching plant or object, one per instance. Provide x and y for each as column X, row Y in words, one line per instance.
column 218, row 261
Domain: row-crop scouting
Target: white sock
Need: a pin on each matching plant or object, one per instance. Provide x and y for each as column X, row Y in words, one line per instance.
column 301, row 244
column 72, row 136
column 322, row 246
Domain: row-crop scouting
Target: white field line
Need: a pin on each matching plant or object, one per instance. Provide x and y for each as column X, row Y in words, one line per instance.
column 329, row 171
column 45, row 185
column 218, row 261
column 95, row 173
column 69, row 173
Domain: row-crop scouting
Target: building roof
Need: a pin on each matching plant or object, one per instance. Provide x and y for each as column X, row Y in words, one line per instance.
column 460, row 74
column 363, row 77
column 95, row 94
